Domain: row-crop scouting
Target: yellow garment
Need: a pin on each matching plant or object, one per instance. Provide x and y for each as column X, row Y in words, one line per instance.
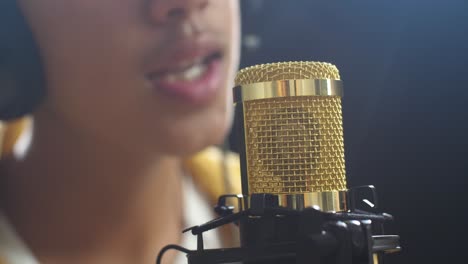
column 215, row 172
column 9, row 134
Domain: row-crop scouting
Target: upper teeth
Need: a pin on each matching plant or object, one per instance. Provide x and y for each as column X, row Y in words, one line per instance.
column 188, row 74
column 187, row 63
column 186, row 71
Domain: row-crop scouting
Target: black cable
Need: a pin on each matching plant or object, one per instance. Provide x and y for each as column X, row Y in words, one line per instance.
column 166, row 248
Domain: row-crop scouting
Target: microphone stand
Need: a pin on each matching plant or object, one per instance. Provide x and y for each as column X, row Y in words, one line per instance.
column 272, row 234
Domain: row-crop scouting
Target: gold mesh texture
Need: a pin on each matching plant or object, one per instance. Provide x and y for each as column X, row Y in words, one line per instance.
column 287, row 71
column 295, row 145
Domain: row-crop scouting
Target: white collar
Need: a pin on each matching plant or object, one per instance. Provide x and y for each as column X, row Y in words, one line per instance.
column 12, row 249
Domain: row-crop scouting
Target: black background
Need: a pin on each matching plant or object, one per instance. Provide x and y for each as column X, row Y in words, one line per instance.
column 404, row 67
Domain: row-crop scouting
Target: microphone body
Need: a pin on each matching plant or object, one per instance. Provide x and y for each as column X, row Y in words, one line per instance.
column 290, row 127
column 295, row 206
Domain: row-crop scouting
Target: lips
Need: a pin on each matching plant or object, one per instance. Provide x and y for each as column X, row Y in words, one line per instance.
column 192, row 73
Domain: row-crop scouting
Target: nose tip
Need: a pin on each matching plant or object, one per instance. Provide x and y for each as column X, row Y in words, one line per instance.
column 162, row 11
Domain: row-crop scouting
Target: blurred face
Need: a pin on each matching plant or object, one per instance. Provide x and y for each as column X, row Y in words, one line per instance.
column 148, row 75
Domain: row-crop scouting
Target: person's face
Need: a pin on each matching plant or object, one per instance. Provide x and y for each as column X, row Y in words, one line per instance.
column 152, row 75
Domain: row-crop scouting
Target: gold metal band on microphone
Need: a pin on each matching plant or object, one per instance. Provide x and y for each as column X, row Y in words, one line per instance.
column 285, row 88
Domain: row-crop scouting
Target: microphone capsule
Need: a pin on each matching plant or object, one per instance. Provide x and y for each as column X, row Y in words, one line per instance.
column 292, row 134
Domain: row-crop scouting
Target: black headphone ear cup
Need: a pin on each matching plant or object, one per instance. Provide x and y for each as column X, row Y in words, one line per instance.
column 21, row 72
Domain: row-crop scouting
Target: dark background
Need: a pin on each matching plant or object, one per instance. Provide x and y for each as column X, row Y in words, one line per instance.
column 404, row 66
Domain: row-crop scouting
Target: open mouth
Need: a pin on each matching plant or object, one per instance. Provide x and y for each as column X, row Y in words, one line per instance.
column 186, row 71
column 194, row 80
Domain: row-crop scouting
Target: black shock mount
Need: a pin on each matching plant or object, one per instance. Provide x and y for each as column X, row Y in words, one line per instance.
column 272, row 234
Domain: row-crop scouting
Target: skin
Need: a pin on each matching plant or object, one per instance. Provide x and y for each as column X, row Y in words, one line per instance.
column 100, row 181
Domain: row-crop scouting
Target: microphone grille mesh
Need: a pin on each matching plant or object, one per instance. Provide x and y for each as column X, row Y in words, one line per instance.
column 295, row 145
column 293, row 70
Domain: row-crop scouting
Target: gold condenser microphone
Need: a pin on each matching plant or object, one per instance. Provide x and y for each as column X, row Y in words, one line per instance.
column 290, row 121
column 293, row 207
